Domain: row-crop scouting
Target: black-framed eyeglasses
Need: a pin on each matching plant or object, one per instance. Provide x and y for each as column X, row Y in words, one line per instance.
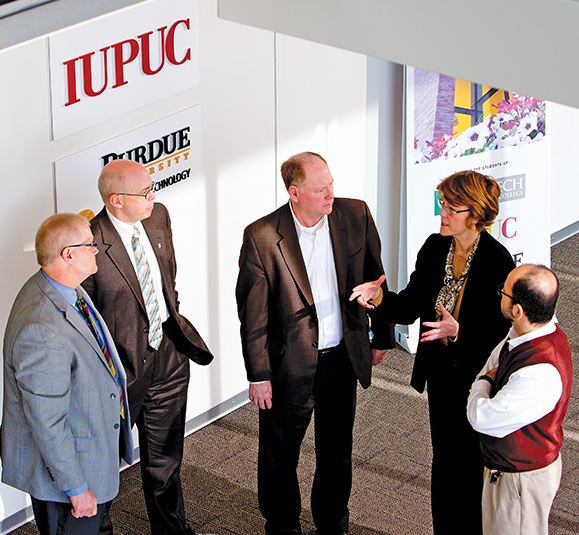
column 442, row 205
column 501, row 292
column 93, row 244
column 144, row 195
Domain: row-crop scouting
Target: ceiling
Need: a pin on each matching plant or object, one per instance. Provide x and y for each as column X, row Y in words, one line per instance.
column 526, row 46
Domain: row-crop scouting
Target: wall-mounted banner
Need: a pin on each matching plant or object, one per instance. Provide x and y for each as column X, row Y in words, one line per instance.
column 122, row 61
column 168, row 148
column 453, row 125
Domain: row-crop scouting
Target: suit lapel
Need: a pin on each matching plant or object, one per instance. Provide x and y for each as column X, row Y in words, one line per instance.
column 339, row 236
column 115, row 250
column 71, row 314
column 291, row 252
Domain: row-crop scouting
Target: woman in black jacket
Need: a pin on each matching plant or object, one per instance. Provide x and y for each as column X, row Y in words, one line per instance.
column 453, row 290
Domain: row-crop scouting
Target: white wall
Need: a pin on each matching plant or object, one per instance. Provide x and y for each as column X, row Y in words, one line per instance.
column 564, row 134
column 236, row 97
column 262, row 98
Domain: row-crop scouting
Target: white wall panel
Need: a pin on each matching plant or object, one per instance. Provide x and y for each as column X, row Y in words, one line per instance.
column 321, row 107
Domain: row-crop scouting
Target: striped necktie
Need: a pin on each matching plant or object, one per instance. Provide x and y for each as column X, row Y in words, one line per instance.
column 148, row 290
column 83, row 307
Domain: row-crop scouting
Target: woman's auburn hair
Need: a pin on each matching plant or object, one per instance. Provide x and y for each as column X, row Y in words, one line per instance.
column 477, row 191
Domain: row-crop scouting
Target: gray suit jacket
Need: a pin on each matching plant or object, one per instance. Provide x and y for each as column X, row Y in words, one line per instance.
column 61, row 418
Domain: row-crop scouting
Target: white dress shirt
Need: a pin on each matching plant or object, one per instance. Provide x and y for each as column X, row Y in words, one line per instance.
column 530, row 393
column 125, row 231
column 318, row 254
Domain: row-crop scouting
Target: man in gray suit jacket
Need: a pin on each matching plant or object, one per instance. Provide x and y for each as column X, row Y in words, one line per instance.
column 65, row 402
column 305, row 343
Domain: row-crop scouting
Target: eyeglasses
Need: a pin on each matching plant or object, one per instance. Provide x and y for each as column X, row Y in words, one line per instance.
column 93, row 244
column 144, row 195
column 501, row 292
column 449, row 211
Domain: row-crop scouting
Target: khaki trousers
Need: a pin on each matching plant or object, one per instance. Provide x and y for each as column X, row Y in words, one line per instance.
column 520, row 503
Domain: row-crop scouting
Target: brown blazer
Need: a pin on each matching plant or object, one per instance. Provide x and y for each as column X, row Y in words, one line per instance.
column 117, row 295
column 279, row 330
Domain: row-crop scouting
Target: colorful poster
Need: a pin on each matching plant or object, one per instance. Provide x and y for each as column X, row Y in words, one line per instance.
column 122, row 61
column 453, row 125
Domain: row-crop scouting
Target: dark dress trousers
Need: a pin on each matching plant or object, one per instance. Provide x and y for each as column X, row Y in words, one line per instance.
column 157, row 380
column 279, row 333
column 449, row 370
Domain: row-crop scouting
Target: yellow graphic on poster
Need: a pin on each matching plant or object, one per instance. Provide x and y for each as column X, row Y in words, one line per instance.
column 454, row 118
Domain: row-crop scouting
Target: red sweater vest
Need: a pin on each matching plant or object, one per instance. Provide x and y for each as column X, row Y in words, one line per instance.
column 538, row 444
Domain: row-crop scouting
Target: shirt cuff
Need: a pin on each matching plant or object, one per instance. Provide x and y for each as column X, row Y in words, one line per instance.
column 376, row 301
column 77, row 491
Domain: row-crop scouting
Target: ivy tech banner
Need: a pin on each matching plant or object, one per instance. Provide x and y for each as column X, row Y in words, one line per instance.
column 453, row 125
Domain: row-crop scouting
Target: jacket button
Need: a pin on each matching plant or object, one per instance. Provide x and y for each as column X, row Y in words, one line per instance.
column 315, row 344
column 146, row 330
column 113, row 396
column 116, row 426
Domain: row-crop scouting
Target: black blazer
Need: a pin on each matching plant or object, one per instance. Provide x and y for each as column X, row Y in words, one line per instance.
column 482, row 325
column 279, row 330
column 116, row 292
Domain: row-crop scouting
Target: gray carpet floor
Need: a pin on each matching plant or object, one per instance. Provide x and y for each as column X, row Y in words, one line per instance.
column 392, row 455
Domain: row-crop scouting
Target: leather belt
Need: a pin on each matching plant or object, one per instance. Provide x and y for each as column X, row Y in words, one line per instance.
column 330, row 350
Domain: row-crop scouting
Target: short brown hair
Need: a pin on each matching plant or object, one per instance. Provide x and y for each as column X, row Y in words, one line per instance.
column 292, row 170
column 55, row 234
column 477, row 191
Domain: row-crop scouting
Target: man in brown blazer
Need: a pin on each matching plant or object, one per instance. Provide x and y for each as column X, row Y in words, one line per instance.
column 154, row 341
column 304, row 343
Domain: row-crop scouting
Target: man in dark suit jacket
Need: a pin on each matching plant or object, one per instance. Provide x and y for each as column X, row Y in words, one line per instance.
column 304, row 343
column 154, row 341
column 64, row 402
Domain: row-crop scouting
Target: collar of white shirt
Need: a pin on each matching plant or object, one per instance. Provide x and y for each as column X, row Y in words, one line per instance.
column 308, row 230
column 544, row 330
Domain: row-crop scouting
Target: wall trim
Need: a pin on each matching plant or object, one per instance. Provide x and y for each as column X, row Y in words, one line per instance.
column 564, row 233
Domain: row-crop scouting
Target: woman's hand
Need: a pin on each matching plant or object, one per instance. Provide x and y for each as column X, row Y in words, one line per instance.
column 367, row 291
column 448, row 326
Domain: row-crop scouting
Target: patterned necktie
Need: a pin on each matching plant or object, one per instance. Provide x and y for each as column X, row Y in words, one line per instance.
column 83, row 307
column 148, row 290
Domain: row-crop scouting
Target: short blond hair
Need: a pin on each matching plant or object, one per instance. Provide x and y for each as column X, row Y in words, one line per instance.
column 55, row 233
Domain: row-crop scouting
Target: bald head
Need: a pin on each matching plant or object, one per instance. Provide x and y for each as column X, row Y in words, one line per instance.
column 536, row 289
column 117, row 176
column 127, row 190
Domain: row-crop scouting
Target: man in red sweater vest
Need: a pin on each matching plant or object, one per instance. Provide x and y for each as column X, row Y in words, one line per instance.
column 518, row 404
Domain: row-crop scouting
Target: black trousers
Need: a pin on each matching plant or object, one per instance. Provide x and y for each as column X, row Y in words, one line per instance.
column 55, row 518
column 457, row 464
column 160, row 420
column 281, row 432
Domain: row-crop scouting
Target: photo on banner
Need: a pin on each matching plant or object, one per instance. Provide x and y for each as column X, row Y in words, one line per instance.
column 454, row 125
